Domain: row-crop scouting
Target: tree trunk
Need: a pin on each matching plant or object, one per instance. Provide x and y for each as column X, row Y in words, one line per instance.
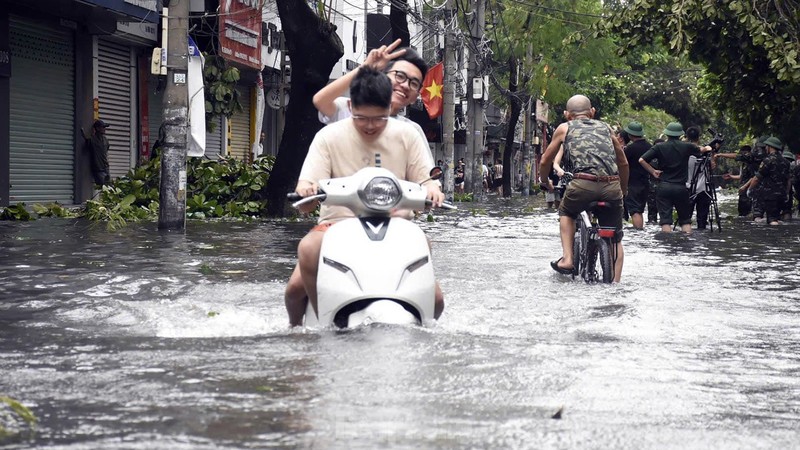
column 314, row 48
column 513, row 118
column 399, row 21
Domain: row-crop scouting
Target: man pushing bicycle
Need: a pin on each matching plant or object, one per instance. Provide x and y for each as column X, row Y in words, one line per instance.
column 600, row 173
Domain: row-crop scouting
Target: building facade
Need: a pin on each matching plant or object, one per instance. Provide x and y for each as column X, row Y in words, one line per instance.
column 62, row 65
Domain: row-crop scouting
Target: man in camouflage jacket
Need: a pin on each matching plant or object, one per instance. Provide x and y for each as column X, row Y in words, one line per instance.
column 773, row 176
column 600, row 171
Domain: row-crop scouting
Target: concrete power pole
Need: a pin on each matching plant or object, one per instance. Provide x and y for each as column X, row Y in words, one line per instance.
column 172, row 194
column 528, row 162
column 476, row 93
column 448, row 115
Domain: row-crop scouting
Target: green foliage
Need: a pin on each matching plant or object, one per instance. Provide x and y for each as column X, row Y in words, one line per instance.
column 606, row 92
column 751, row 48
column 52, row 210
column 478, row 212
column 18, row 411
column 463, row 196
column 15, row 212
column 653, row 120
column 222, row 98
column 226, row 188
column 559, row 55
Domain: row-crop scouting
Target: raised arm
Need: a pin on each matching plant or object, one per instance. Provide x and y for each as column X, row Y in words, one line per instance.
column 557, row 162
column 377, row 58
column 546, row 164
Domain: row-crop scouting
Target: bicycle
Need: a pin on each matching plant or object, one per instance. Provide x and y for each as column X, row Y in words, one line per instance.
column 593, row 247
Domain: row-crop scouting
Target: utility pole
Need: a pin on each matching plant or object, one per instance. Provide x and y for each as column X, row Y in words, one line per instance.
column 172, row 194
column 527, row 148
column 448, row 119
column 476, row 93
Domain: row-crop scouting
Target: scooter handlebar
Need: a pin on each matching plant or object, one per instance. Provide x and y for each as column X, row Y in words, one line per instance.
column 299, row 200
column 445, row 205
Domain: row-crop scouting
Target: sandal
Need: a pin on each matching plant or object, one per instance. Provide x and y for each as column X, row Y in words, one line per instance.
column 561, row 270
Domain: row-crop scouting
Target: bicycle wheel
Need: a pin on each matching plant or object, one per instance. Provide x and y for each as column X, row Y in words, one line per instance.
column 604, row 260
column 590, row 268
column 581, row 248
column 576, row 255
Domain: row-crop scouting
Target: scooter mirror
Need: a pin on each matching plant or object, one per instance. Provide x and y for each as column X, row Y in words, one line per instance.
column 435, row 173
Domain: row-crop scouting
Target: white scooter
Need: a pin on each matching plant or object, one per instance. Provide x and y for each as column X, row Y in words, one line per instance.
column 373, row 268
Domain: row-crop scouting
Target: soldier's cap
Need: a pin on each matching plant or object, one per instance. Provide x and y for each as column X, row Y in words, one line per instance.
column 773, row 142
column 100, row 124
column 760, row 141
column 788, row 154
column 634, row 128
column 674, row 129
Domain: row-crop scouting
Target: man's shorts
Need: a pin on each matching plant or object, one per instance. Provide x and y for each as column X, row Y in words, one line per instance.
column 669, row 195
column 322, row 226
column 636, row 200
column 580, row 193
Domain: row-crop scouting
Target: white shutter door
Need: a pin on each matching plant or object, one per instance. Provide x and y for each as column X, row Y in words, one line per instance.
column 214, row 140
column 42, row 113
column 114, row 90
column 240, row 127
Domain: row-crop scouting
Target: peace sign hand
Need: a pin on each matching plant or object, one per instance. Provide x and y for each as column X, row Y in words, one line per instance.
column 379, row 58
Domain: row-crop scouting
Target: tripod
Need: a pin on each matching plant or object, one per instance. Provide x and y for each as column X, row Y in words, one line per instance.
column 702, row 175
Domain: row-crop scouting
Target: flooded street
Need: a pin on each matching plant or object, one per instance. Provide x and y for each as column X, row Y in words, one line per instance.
column 136, row 339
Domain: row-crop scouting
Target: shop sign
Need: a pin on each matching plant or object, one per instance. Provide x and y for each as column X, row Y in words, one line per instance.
column 274, row 98
column 144, row 10
column 240, row 32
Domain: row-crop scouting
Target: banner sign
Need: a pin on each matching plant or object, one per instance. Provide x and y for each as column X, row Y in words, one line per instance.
column 143, row 10
column 240, row 31
column 197, row 103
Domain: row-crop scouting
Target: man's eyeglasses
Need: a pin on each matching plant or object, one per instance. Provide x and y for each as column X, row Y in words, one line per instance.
column 363, row 120
column 401, row 77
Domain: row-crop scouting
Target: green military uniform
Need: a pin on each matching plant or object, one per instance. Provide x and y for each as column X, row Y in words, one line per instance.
column 773, row 176
column 673, row 161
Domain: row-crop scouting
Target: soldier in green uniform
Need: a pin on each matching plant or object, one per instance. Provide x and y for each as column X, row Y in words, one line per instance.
column 673, row 159
column 759, row 153
column 786, row 212
column 748, row 169
column 600, row 173
column 773, row 175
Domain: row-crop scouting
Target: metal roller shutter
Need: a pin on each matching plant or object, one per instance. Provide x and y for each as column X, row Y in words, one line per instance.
column 114, row 74
column 155, row 104
column 240, row 127
column 42, row 118
column 214, row 140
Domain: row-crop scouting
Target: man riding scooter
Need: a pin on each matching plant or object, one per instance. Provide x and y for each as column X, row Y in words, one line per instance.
column 369, row 138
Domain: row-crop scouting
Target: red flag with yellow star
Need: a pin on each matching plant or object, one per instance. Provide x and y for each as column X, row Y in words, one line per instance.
column 432, row 90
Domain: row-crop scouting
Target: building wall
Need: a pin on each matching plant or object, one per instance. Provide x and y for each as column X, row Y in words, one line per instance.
column 86, row 20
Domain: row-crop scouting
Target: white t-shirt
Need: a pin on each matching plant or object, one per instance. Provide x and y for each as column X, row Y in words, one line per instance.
column 338, row 150
column 343, row 112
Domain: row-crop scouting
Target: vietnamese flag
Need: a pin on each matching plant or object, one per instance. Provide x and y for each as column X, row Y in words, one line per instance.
column 432, row 91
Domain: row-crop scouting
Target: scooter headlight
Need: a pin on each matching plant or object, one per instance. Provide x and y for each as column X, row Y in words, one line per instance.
column 381, row 194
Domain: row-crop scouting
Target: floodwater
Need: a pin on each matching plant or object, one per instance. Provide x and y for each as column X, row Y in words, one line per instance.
column 137, row 339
